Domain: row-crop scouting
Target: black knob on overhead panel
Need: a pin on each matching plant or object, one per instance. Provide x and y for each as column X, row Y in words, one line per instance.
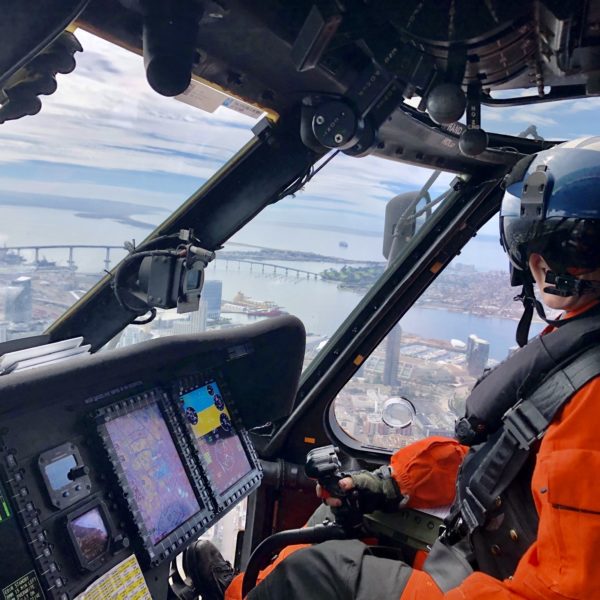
column 446, row 103
column 77, row 472
column 473, row 141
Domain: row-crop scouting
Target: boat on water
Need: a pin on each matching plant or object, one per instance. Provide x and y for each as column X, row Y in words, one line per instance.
column 44, row 263
column 10, row 257
column 242, row 300
column 343, row 244
column 256, row 308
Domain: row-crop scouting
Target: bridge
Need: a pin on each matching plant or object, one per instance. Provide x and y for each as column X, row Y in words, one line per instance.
column 262, row 266
column 270, row 268
column 70, row 247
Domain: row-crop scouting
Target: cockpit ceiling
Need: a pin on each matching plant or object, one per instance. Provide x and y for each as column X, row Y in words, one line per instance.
column 263, row 50
column 407, row 71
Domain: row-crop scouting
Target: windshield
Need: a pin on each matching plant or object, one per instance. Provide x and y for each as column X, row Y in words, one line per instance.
column 107, row 160
column 313, row 255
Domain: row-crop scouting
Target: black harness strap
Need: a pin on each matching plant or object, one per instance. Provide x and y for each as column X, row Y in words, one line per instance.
column 507, row 450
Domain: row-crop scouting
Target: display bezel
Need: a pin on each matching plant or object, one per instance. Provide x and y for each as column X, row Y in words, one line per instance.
column 155, row 553
column 243, row 486
column 91, row 565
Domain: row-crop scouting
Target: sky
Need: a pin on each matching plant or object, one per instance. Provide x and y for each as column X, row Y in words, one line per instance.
column 107, row 159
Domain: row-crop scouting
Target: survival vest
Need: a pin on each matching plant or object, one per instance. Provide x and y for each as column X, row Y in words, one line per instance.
column 507, row 413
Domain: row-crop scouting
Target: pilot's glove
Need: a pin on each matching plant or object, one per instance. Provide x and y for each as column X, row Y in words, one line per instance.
column 376, row 490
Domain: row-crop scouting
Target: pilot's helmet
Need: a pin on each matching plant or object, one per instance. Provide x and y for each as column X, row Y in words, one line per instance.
column 551, row 206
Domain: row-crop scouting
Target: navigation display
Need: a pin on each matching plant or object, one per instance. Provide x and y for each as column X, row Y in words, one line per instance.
column 220, row 446
column 153, row 470
column 91, row 534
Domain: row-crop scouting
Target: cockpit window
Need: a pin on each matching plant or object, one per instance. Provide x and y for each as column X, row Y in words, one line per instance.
column 105, row 161
column 562, row 120
column 314, row 254
column 464, row 323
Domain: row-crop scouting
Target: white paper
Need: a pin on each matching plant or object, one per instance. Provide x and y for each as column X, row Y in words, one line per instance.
column 41, row 361
column 11, row 358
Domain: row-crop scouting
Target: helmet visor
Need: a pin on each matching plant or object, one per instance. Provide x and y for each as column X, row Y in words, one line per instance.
column 568, row 244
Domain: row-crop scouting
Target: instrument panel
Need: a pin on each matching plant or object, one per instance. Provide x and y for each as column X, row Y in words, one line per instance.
column 112, row 465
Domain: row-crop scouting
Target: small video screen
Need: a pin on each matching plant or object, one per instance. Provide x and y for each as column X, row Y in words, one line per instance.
column 153, row 470
column 219, row 444
column 91, row 534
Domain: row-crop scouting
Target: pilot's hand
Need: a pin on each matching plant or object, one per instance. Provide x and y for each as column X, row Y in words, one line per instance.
column 345, row 484
column 377, row 490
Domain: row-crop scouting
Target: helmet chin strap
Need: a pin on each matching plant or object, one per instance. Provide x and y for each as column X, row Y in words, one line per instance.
column 527, row 297
column 564, row 285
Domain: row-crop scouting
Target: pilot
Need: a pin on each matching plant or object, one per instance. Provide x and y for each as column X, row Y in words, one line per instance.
column 522, row 474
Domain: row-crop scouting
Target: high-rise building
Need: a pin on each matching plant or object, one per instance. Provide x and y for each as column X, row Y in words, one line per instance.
column 193, row 322
column 18, row 306
column 392, row 356
column 212, row 292
column 478, row 352
column 198, row 317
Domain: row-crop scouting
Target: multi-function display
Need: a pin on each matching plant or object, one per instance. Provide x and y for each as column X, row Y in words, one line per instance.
column 153, row 470
column 220, row 447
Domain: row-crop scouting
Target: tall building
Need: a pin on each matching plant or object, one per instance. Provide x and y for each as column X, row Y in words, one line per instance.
column 478, row 352
column 392, row 356
column 198, row 317
column 193, row 322
column 18, row 306
column 212, row 292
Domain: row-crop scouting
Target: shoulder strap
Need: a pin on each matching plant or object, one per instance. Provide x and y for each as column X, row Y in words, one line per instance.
column 523, row 372
column 506, row 453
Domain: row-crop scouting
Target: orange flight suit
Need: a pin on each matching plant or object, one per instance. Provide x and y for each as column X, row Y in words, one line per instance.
column 427, row 471
column 562, row 563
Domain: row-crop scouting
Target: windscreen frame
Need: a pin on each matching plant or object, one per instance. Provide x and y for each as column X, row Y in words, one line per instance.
column 168, row 546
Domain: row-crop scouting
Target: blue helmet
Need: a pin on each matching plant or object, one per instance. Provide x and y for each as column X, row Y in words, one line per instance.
column 552, row 207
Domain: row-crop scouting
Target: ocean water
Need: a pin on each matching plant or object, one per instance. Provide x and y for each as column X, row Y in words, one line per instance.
column 322, row 306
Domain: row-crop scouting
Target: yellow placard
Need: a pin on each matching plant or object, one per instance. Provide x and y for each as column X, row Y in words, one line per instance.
column 125, row 581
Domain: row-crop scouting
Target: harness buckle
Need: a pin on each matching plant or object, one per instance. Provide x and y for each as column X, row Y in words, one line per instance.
column 525, row 424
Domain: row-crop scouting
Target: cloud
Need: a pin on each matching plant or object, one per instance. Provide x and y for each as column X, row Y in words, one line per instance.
column 104, row 115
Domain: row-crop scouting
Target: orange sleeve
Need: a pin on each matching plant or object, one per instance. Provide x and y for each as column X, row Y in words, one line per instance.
column 426, row 471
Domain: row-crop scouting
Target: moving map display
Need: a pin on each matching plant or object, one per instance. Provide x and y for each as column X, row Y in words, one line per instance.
column 153, row 470
column 220, row 446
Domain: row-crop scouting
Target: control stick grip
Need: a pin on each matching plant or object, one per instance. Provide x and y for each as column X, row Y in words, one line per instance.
column 323, row 464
